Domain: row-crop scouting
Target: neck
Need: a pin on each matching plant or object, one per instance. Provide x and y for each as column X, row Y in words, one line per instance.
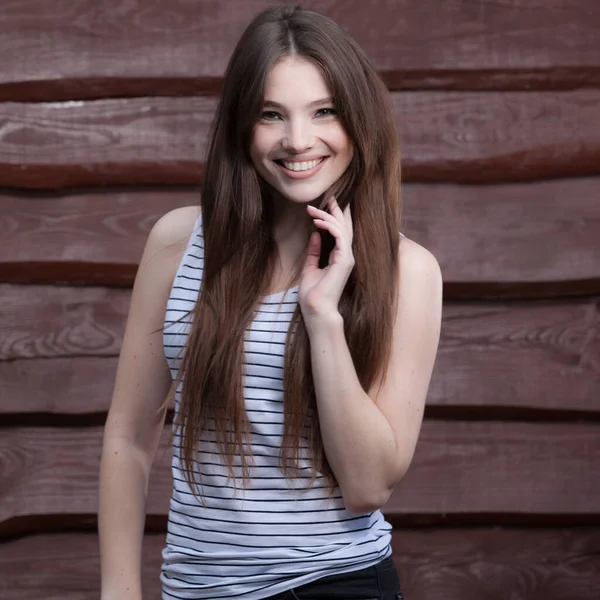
column 291, row 230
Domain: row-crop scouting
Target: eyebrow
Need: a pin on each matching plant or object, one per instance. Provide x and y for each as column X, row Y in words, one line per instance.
column 272, row 104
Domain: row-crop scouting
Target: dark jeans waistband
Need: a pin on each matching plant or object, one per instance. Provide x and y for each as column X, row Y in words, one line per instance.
column 379, row 582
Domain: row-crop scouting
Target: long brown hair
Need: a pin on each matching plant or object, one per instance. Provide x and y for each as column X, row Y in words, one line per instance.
column 239, row 248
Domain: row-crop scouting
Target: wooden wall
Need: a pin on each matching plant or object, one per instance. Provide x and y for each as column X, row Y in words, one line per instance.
column 104, row 111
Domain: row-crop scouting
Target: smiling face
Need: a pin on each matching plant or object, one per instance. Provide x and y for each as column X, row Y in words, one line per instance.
column 299, row 146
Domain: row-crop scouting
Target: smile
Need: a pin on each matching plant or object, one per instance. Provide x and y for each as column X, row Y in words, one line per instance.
column 300, row 170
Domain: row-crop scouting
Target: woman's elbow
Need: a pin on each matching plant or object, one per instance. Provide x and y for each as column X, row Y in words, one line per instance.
column 366, row 501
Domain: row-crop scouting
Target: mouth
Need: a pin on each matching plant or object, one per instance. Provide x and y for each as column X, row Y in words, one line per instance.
column 300, row 170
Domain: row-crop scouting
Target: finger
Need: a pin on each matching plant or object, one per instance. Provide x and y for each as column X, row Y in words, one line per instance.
column 348, row 222
column 335, row 209
column 338, row 233
column 348, row 215
column 344, row 217
column 313, row 252
column 317, row 213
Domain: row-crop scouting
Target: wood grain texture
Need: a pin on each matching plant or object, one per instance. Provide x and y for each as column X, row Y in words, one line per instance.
column 514, row 471
column 445, row 136
column 59, row 344
column 496, row 564
column 81, row 49
column 83, row 239
column 51, row 322
column 66, row 386
column 433, row 564
column 544, row 356
column 521, row 236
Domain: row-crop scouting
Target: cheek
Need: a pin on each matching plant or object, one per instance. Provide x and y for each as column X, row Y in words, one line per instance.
column 257, row 154
column 346, row 149
column 349, row 150
column 344, row 144
column 263, row 141
column 254, row 147
column 257, row 144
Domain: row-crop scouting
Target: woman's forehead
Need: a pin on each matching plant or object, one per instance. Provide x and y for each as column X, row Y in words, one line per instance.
column 296, row 81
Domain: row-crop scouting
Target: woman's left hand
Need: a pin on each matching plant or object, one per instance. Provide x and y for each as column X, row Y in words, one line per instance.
column 320, row 290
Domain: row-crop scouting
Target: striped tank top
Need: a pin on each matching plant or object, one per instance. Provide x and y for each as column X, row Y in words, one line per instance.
column 276, row 534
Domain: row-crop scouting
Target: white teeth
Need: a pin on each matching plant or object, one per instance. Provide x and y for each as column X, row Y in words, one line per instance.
column 301, row 166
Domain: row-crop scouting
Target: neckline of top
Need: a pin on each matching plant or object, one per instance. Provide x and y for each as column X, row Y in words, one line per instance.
column 281, row 294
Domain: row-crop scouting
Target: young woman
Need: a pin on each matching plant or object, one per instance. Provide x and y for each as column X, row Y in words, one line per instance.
column 296, row 330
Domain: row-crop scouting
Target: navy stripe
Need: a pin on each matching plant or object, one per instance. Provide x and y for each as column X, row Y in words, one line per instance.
column 213, row 548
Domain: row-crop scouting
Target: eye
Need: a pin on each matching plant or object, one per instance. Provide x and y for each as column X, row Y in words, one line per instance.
column 270, row 115
column 326, row 112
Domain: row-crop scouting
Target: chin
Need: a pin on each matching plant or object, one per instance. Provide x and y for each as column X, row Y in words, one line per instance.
column 302, row 196
column 302, row 199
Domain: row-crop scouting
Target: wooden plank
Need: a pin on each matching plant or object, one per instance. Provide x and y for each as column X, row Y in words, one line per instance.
column 58, row 347
column 66, row 566
column 522, row 238
column 49, row 322
column 82, row 239
column 529, row 239
column 512, row 357
column 446, row 136
column 461, row 471
column 182, row 47
column 77, row 386
column 432, row 564
column 500, row 137
column 109, row 142
column 496, row 564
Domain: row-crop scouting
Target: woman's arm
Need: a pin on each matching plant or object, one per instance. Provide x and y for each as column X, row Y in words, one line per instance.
column 135, row 419
column 370, row 438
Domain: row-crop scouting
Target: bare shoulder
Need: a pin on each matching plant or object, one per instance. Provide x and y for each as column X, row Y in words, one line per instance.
column 420, row 294
column 158, row 266
column 169, row 237
column 174, row 228
column 419, row 268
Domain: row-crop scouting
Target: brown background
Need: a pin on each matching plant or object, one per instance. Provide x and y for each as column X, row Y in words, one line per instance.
column 104, row 113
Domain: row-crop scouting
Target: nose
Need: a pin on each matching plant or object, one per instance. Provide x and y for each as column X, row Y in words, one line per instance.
column 298, row 136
